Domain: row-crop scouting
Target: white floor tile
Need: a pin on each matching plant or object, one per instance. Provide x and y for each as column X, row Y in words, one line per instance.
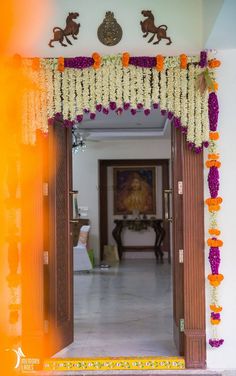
column 123, row 311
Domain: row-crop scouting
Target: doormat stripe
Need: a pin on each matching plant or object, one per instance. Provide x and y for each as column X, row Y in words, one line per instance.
column 120, row 363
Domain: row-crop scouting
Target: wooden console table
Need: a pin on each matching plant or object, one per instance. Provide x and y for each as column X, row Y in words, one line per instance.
column 139, row 225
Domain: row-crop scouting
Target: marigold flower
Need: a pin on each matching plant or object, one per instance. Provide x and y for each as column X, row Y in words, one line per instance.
column 97, row 60
column 36, row 63
column 213, row 208
column 211, row 242
column 214, row 63
column 215, row 279
column 214, row 231
column 61, row 64
column 214, row 201
column 183, row 61
column 214, row 156
column 159, row 63
column 125, row 59
column 215, row 308
column 215, row 322
column 212, row 163
column 214, row 136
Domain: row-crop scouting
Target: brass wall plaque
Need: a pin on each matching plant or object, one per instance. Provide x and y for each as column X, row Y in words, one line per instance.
column 109, row 32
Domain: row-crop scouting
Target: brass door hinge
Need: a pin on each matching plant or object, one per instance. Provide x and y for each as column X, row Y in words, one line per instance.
column 180, row 187
column 45, row 189
column 181, row 256
column 181, row 325
column 45, row 258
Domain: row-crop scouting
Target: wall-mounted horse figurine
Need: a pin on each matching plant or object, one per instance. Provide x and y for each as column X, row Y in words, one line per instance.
column 148, row 26
column 72, row 28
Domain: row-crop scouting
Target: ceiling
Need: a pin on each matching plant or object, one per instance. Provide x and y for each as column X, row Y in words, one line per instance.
column 125, row 126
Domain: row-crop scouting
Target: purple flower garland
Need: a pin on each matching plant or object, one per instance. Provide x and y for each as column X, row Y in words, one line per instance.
column 213, row 181
column 203, row 59
column 214, row 259
column 80, row 62
column 143, row 61
column 214, row 185
column 213, row 111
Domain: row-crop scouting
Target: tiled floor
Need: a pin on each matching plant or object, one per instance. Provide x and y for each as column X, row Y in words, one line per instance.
column 123, row 311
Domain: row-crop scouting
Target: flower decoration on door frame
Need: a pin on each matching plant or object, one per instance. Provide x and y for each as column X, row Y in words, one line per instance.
column 182, row 87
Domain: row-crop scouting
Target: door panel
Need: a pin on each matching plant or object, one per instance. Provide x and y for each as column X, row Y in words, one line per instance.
column 177, row 226
column 59, row 271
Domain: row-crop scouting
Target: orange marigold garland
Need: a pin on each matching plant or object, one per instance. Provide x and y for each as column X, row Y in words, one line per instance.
column 125, row 59
column 183, row 61
column 214, row 205
column 61, row 64
column 36, row 63
column 97, row 60
column 159, row 63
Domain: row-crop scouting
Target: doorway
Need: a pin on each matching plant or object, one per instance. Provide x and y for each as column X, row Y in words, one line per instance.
column 188, row 169
column 127, row 306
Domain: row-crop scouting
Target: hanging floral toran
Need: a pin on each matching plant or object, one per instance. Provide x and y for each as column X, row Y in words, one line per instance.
column 182, row 87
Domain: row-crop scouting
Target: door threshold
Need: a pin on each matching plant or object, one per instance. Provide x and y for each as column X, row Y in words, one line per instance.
column 137, row 363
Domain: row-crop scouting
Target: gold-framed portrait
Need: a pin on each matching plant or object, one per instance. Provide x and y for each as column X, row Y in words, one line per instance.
column 134, row 190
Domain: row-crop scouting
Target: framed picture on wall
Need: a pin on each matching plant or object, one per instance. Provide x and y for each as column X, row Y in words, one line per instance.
column 134, row 190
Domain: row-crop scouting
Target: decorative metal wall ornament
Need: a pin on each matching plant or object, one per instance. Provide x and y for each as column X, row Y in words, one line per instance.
column 72, row 28
column 148, row 26
column 109, row 32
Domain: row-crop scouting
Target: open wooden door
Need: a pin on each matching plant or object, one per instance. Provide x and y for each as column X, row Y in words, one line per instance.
column 188, row 252
column 58, row 269
column 177, row 240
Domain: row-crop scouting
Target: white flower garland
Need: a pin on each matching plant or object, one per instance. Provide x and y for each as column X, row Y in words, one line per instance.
column 49, row 70
column 140, row 79
column 65, row 94
column 191, row 104
column 163, row 90
column 183, row 100
column 105, row 85
column 92, row 99
column 170, row 89
column 43, row 100
column 71, row 95
column 79, row 92
column 57, row 90
column 177, row 106
column 133, row 87
column 118, row 85
column 147, row 89
column 155, row 86
column 112, row 81
column 198, row 113
column 205, row 117
column 173, row 88
column 85, row 94
column 126, row 85
column 98, row 86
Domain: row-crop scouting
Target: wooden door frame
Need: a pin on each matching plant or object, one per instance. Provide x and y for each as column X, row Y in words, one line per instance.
column 103, row 206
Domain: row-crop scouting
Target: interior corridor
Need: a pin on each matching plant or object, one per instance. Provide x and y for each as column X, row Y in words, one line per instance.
column 123, row 311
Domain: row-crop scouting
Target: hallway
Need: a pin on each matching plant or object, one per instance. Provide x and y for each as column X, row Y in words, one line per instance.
column 123, row 311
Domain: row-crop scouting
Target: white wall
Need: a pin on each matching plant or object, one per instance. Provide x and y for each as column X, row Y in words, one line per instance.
column 225, row 356
column 43, row 15
column 85, row 171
